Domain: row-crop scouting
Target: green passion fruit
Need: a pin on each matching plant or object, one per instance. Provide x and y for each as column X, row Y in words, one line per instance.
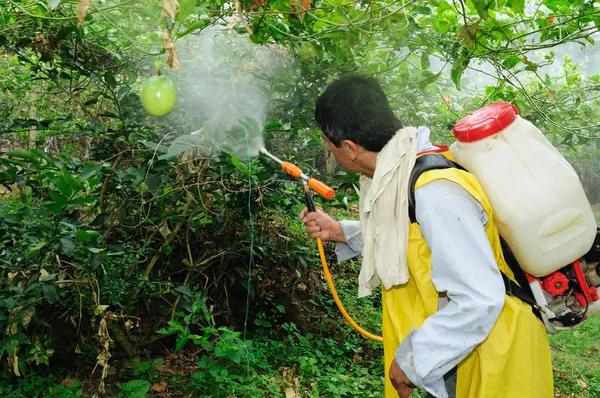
column 158, row 95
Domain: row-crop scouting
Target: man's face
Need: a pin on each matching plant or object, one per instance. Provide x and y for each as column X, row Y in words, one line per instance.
column 346, row 154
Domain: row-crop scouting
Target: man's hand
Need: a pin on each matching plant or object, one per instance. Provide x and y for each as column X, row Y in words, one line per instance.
column 399, row 380
column 320, row 225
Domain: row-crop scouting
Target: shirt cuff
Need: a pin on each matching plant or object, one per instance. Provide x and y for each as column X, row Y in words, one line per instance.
column 354, row 239
column 405, row 360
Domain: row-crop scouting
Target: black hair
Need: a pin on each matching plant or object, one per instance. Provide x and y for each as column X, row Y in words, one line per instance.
column 355, row 108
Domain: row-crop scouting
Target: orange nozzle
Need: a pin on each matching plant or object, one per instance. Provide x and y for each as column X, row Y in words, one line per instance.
column 291, row 169
column 317, row 185
column 321, row 188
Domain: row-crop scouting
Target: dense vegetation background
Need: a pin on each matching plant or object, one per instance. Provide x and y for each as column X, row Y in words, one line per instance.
column 139, row 259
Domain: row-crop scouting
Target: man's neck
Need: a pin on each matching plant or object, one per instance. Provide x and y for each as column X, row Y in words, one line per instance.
column 368, row 163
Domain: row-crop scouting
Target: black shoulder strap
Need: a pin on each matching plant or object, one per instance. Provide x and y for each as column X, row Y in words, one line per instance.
column 424, row 163
column 437, row 162
column 521, row 289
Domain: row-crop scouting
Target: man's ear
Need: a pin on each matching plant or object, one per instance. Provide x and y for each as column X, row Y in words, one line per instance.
column 351, row 149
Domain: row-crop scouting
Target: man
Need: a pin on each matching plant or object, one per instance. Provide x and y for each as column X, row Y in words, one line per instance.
column 448, row 326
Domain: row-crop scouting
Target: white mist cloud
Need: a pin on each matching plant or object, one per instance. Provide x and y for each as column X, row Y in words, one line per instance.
column 224, row 86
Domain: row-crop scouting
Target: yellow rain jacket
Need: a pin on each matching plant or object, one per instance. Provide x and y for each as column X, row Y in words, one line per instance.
column 513, row 361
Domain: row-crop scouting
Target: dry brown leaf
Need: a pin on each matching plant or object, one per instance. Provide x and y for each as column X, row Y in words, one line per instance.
column 14, row 361
column 173, row 59
column 166, row 38
column 257, row 3
column 290, row 393
column 82, row 10
column 160, row 387
column 164, row 228
column 166, row 369
column 128, row 324
column 28, row 316
column 171, row 8
column 68, row 382
column 576, row 333
column 43, row 274
column 304, row 6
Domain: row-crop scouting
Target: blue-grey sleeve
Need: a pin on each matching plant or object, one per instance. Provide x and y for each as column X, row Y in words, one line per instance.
column 354, row 239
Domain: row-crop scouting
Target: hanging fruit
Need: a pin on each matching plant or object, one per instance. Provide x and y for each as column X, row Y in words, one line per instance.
column 158, row 95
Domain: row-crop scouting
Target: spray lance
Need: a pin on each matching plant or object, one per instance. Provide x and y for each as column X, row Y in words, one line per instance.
column 326, row 192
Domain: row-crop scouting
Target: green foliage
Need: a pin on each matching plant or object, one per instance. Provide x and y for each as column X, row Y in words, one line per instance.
column 119, row 224
column 135, row 389
column 575, row 357
column 34, row 386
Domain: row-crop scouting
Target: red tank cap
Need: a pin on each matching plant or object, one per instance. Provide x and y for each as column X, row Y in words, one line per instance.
column 485, row 122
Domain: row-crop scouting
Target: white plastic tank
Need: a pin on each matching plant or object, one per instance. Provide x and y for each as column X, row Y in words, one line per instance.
column 539, row 204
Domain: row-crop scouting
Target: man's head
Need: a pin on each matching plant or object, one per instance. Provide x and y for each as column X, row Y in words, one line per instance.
column 355, row 108
column 354, row 115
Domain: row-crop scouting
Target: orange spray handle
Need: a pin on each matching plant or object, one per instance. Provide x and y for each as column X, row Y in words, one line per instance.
column 291, row 169
column 321, row 188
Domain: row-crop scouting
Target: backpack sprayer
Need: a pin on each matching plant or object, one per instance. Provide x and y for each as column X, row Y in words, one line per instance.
column 326, row 192
column 541, row 211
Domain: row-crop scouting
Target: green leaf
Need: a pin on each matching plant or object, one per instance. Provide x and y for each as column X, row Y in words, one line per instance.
column 67, row 245
column 531, row 67
column 64, row 187
column 427, row 81
column 21, row 338
column 60, row 199
column 35, row 250
column 25, row 155
column 137, row 388
column 50, row 293
column 48, row 278
column 42, row 155
column 518, row 6
column 456, row 74
column 70, row 179
column 197, row 306
column 181, row 144
column 186, row 7
column 52, row 4
column 14, row 218
column 83, row 236
column 144, row 367
column 481, row 6
column 89, row 171
column 425, row 64
column 241, row 167
column 55, row 208
column 110, row 80
column 183, row 290
column 423, row 10
column 100, row 309
column 48, row 226
column 441, row 25
column 511, row 62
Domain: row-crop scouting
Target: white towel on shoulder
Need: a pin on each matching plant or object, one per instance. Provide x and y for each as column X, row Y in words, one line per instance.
column 384, row 214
